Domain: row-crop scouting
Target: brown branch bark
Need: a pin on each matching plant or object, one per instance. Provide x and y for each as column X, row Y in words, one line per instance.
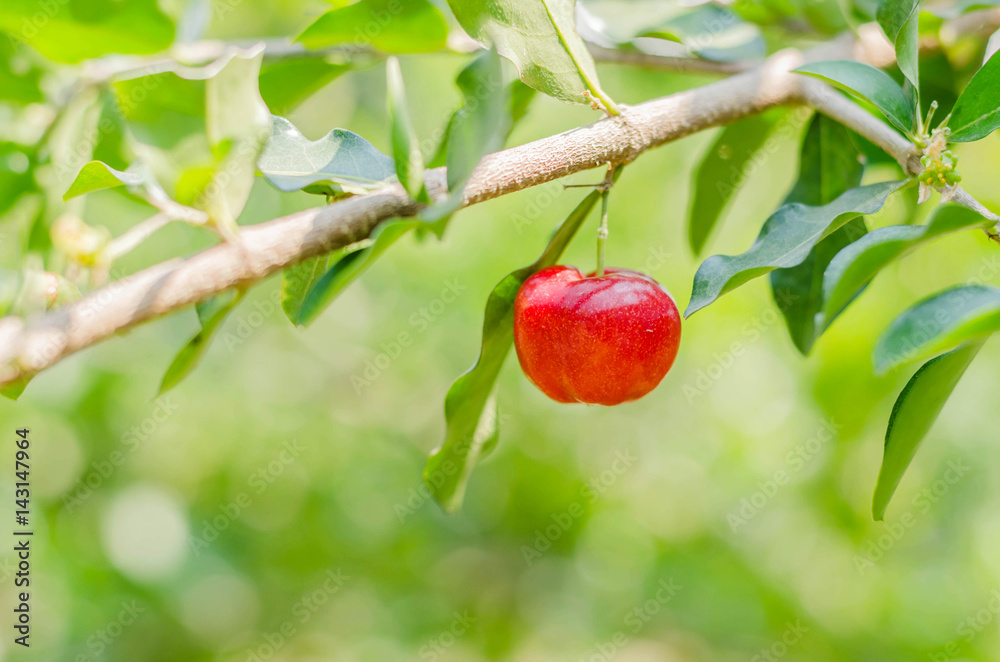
column 27, row 348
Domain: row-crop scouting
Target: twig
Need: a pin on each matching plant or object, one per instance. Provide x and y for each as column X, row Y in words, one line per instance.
column 135, row 235
column 668, row 63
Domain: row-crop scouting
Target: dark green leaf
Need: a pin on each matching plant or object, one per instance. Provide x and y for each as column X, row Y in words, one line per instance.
column 899, row 21
column 857, row 265
column 915, row 411
column 937, row 324
column 784, row 241
column 339, row 162
column 390, row 26
column 348, row 268
column 940, row 81
column 870, row 84
column 830, row 163
column 540, row 38
column 721, row 172
column 211, row 314
column 405, row 146
column 470, row 407
column 829, row 166
column 75, row 30
column 798, row 290
column 977, row 111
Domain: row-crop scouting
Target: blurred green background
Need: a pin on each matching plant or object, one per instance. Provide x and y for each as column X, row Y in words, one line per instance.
column 271, row 506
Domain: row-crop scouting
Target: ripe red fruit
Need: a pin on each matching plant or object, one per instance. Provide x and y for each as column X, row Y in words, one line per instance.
column 600, row 340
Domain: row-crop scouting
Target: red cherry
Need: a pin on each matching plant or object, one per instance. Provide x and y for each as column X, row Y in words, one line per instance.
column 600, row 340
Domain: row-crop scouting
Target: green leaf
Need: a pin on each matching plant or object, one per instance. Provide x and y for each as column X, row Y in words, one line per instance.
column 915, row 411
column 519, row 98
column 405, row 146
column 348, row 268
column 830, row 165
column 297, row 280
column 97, row 175
column 899, row 20
column 13, row 390
column 211, row 314
column 339, row 162
column 857, row 265
column 977, row 111
column 478, row 128
column 390, row 26
column 937, row 324
column 75, row 30
column 784, row 241
column 870, row 84
column 720, row 174
column 539, row 37
column 798, row 290
column 285, row 83
column 470, row 406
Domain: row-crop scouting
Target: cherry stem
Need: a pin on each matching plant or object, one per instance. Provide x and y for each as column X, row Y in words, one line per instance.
column 602, row 231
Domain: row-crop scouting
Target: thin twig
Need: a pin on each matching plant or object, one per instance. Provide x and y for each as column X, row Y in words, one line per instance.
column 668, row 63
column 135, row 235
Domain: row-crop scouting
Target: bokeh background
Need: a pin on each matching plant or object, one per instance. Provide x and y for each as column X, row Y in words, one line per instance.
column 271, row 506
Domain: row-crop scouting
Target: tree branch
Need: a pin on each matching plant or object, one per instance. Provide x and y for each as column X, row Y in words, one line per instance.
column 666, row 62
column 268, row 247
